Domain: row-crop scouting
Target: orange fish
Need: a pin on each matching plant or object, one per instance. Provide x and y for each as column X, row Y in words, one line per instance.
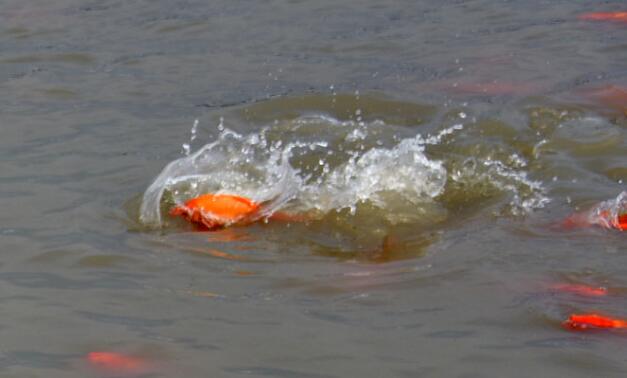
column 592, row 321
column 604, row 16
column 579, row 289
column 608, row 214
column 588, row 218
column 621, row 222
column 117, row 361
column 217, row 210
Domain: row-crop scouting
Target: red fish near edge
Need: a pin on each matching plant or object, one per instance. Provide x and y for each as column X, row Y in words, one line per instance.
column 604, row 16
column 579, row 289
column 587, row 219
column 610, row 214
column 582, row 322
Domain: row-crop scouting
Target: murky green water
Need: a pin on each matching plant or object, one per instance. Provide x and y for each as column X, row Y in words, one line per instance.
column 435, row 147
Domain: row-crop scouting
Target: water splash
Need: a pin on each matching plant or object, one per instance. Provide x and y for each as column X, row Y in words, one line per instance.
column 403, row 170
column 322, row 164
column 246, row 165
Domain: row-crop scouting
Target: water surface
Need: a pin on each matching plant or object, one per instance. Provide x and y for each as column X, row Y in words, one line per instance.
column 435, row 143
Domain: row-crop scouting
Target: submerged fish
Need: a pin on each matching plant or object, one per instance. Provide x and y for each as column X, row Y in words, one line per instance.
column 610, row 214
column 590, row 218
column 215, row 211
column 592, row 321
column 117, row 362
column 604, row 16
column 580, row 289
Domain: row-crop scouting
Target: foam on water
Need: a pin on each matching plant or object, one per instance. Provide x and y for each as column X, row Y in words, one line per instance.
column 322, row 164
column 403, row 170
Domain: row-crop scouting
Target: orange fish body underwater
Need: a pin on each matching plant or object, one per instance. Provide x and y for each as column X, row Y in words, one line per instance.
column 217, row 210
column 583, row 290
column 579, row 220
column 611, row 214
column 604, row 16
column 117, row 362
column 594, row 321
column 214, row 211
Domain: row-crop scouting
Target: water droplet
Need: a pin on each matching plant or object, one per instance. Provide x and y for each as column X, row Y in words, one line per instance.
column 186, row 149
column 193, row 131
